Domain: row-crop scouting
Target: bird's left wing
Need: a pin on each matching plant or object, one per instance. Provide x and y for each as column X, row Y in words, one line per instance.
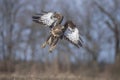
column 73, row 36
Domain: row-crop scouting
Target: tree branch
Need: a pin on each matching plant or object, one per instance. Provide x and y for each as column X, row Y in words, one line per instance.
column 109, row 25
column 108, row 14
column 114, row 29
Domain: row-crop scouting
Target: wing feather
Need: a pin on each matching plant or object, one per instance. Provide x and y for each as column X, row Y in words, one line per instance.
column 46, row 19
column 73, row 36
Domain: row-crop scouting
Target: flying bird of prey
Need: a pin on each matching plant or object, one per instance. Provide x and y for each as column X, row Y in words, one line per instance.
column 49, row 19
column 68, row 31
column 57, row 33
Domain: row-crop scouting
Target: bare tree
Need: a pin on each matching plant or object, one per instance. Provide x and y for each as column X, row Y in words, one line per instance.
column 114, row 26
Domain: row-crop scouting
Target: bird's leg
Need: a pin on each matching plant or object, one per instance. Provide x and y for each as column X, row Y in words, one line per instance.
column 53, row 45
column 51, row 40
column 46, row 42
column 52, row 48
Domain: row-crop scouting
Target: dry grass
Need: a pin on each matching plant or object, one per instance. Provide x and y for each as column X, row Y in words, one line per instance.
column 26, row 72
column 51, row 77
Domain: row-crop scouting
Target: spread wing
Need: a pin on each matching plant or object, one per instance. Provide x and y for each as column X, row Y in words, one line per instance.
column 73, row 36
column 46, row 19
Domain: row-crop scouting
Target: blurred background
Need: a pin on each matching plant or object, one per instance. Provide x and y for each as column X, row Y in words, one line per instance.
column 21, row 54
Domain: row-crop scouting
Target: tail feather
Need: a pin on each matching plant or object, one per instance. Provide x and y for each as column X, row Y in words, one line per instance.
column 81, row 39
column 80, row 44
column 36, row 21
column 35, row 17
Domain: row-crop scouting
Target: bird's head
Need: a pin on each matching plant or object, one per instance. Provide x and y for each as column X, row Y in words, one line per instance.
column 59, row 17
column 70, row 24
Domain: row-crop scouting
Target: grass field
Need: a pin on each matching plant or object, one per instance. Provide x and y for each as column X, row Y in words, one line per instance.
column 52, row 77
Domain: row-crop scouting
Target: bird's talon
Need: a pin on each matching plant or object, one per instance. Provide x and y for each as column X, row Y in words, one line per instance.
column 50, row 50
column 43, row 45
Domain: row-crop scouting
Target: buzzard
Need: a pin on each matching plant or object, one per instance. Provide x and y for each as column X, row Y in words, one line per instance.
column 68, row 31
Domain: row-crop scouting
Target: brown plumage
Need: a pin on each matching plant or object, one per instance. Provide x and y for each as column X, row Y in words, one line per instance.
column 68, row 31
column 55, row 34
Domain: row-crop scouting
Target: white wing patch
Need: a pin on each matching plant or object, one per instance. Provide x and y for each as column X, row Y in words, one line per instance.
column 47, row 19
column 73, row 36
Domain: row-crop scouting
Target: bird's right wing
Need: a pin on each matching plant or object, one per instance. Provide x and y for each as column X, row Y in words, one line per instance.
column 46, row 19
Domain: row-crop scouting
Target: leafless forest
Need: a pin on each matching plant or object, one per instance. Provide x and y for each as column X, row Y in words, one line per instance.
column 21, row 55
